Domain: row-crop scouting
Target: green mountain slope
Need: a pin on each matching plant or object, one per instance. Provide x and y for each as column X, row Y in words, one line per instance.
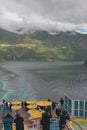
column 43, row 46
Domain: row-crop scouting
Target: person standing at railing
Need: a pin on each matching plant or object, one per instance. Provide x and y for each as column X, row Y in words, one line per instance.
column 19, row 122
column 58, row 111
column 7, row 120
column 3, row 110
column 62, row 103
column 45, row 121
column 64, row 116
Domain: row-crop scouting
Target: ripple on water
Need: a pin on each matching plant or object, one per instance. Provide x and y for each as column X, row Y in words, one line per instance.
column 40, row 80
column 13, row 86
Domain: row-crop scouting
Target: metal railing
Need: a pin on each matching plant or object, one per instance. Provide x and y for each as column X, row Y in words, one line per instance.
column 35, row 123
column 77, row 124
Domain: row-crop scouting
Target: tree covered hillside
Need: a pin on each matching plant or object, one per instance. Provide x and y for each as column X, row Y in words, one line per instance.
column 43, row 46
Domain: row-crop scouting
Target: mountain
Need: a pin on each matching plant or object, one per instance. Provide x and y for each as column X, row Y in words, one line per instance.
column 41, row 45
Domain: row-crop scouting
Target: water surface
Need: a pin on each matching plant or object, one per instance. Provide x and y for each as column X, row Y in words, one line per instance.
column 42, row 80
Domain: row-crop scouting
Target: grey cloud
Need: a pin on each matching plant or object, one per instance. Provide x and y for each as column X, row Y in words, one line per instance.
column 46, row 14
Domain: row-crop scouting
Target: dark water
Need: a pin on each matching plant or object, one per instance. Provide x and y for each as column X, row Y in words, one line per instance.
column 42, row 80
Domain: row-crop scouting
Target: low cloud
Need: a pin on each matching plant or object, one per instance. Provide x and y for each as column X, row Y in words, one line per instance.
column 51, row 15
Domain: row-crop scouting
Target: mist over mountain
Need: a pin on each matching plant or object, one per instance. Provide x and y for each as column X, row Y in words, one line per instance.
column 42, row 45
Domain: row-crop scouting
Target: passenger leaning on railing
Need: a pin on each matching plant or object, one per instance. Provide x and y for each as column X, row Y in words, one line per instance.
column 64, row 116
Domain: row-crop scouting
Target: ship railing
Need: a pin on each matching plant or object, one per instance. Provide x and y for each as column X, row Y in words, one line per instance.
column 77, row 124
column 35, row 124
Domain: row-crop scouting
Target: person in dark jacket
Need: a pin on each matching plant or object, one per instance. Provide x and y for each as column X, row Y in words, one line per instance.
column 62, row 102
column 62, row 121
column 8, row 120
column 58, row 111
column 46, row 120
column 19, row 122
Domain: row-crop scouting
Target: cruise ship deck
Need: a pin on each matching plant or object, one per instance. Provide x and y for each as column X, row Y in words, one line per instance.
column 34, row 123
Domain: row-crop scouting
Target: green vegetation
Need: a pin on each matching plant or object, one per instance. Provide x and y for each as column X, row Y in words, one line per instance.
column 41, row 46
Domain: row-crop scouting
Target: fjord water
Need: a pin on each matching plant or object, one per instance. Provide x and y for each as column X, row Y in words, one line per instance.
column 41, row 80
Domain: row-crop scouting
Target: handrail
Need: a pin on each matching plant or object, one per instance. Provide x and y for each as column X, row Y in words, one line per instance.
column 69, row 128
column 81, row 128
column 35, row 119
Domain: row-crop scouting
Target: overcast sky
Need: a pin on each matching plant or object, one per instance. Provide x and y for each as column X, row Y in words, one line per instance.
column 45, row 14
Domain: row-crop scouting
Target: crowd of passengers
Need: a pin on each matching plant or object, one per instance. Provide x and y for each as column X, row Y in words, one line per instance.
column 8, row 118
